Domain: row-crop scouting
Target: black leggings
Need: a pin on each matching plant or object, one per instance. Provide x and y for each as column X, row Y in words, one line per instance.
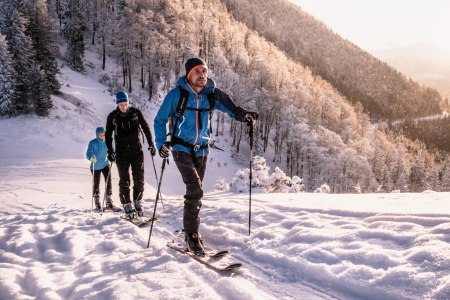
column 97, row 175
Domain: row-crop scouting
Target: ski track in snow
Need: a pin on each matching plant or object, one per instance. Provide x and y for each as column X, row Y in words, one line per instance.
column 293, row 253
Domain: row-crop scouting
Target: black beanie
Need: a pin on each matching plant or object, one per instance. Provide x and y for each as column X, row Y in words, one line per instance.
column 192, row 64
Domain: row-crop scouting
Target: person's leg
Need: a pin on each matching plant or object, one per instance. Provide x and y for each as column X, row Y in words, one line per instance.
column 194, row 192
column 96, row 187
column 123, row 167
column 106, row 174
column 108, row 189
column 137, row 170
column 201, row 168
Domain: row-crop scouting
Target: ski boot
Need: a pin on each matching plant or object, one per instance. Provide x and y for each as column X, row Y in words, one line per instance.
column 138, row 208
column 109, row 204
column 129, row 211
column 97, row 202
column 194, row 243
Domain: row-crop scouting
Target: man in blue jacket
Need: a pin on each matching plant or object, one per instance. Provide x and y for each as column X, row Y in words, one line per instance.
column 191, row 134
column 97, row 154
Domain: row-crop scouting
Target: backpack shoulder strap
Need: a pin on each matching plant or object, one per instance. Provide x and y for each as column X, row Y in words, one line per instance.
column 182, row 103
column 212, row 105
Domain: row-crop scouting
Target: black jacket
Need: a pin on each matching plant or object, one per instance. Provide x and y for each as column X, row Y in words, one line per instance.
column 126, row 130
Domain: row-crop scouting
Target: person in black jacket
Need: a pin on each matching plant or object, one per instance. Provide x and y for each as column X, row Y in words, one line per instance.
column 127, row 122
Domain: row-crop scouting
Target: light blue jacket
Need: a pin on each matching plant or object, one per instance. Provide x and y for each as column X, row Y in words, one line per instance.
column 193, row 126
column 97, row 147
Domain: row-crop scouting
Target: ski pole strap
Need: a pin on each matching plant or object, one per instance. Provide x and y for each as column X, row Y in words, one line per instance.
column 193, row 148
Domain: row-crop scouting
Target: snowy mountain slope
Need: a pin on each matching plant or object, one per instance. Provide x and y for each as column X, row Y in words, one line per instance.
column 302, row 246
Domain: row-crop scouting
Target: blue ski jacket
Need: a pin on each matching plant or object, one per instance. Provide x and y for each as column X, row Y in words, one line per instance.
column 97, row 147
column 193, row 126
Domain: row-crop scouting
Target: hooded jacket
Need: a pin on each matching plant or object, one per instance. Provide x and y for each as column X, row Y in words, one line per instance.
column 97, row 147
column 193, row 126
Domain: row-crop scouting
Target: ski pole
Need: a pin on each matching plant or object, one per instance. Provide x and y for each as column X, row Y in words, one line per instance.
column 93, row 183
column 250, row 178
column 157, row 198
column 106, row 186
column 157, row 180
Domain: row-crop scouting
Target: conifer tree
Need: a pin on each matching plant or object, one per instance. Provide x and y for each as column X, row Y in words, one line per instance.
column 40, row 30
column 43, row 103
column 13, row 24
column 7, row 79
column 73, row 31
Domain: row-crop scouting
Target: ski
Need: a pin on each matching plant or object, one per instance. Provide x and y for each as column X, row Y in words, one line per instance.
column 138, row 221
column 214, row 260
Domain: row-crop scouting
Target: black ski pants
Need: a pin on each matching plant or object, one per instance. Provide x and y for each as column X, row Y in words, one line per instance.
column 192, row 177
column 133, row 158
column 97, row 174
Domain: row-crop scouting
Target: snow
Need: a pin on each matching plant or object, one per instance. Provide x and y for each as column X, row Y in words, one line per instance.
column 302, row 245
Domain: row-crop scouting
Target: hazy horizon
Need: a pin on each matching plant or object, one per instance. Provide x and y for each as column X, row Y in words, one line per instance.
column 384, row 24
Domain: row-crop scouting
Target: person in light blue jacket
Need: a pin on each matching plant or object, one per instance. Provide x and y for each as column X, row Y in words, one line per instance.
column 190, row 136
column 97, row 154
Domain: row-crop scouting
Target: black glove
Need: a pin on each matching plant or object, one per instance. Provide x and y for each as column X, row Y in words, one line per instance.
column 152, row 150
column 112, row 157
column 164, row 151
column 251, row 116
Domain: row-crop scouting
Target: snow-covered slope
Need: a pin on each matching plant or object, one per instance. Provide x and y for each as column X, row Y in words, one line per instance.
column 302, row 246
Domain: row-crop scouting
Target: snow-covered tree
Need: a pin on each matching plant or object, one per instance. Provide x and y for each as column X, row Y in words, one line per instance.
column 7, row 79
column 40, row 31
column 73, row 31
column 43, row 102
column 417, row 177
column 13, row 25
column 445, row 180
column 432, row 181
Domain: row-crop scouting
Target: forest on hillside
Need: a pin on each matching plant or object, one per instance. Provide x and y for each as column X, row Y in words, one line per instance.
column 384, row 92
column 307, row 127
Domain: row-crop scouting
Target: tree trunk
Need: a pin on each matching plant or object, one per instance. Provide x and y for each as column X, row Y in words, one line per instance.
column 103, row 52
column 130, row 88
column 238, row 142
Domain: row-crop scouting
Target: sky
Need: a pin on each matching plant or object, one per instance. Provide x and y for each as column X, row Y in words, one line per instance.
column 302, row 245
column 374, row 25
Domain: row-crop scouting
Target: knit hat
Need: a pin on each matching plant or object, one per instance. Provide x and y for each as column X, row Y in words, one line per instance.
column 99, row 130
column 121, row 97
column 193, row 64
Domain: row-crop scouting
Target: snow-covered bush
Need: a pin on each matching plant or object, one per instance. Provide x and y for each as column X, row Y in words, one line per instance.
column 222, row 185
column 277, row 182
column 240, row 181
column 324, row 188
column 357, row 189
column 296, row 185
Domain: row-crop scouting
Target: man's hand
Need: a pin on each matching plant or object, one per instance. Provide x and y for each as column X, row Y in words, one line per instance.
column 112, row 157
column 251, row 117
column 164, row 152
column 93, row 159
column 152, row 150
